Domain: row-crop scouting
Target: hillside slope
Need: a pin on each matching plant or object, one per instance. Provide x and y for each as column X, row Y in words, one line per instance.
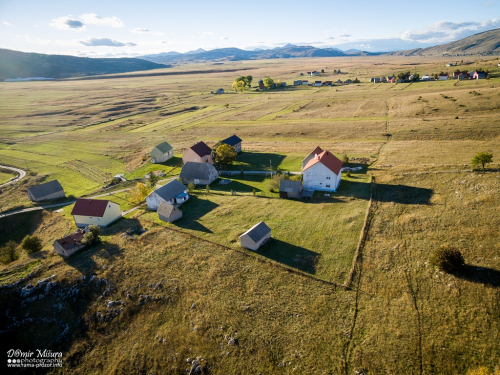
column 487, row 42
column 15, row 64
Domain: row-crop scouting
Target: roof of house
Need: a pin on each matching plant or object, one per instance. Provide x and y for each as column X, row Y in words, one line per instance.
column 72, row 239
column 232, row 140
column 328, row 160
column 317, row 81
column 164, row 147
column 47, row 188
column 290, row 186
column 166, row 209
column 317, row 150
column 171, row 190
column 443, row 74
column 192, row 170
column 90, row 207
column 257, row 232
column 201, row 149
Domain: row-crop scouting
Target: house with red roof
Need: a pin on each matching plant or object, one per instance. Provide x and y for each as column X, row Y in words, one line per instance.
column 198, row 153
column 443, row 76
column 69, row 245
column 314, row 152
column 95, row 212
column 322, row 172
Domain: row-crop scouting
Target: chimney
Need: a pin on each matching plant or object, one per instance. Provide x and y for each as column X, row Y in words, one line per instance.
column 90, row 200
column 315, row 156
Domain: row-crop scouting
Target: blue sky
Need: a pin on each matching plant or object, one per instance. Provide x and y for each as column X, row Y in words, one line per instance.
column 131, row 28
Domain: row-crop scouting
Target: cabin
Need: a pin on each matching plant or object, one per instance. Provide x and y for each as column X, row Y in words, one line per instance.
column 317, row 83
column 443, row 76
column 316, row 151
column 69, row 245
column 198, row 173
column 375, row 80
column 290, row 189
column 479, row 75
column 198, row 153
column 297, row 83
column 323, row 172
column 95, row 212
column 391, row 79
column 220, row 91
column 426, row 78
column 256, row 236
column 261, row 84
column 168, row 213
column 162, row 153
column 233, row 141
column 46, row 191
column 328, row 83
column 400, row 80
column 172, row 193
column 471, row 74
column 449, row 64
column 305, row 82
column 283, row 84
column 383, row 79
column 348, row 82
column 339, row 82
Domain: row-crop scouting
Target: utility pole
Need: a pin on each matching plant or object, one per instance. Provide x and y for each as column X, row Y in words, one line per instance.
column 26, row 165
column 271, row 166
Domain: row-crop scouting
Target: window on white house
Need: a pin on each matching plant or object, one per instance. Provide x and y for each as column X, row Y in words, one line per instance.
column 327, row 185
column 328, row 177
column 98, row 219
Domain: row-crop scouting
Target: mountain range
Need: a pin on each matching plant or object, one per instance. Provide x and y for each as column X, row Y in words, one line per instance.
column 15, row 64
column 484, row 43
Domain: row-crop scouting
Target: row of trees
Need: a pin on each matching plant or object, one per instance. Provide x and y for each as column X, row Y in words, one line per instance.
column 406, row 76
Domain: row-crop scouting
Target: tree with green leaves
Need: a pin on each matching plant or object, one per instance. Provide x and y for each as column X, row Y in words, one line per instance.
column 239, row 86
column 152, row 180
column 249, row 81
column 448, row 259
column 92, row 237
column 8, row 252
column 191, row 186
column 31, row 244
column 225, row 154
column 207, row 189
column 482, row 158
column 268, row 82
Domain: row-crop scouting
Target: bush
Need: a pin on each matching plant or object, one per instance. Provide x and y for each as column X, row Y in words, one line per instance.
column 448, row 259
column 31, row 244
column 92, row 236
column 191, row 187
column 8, row 252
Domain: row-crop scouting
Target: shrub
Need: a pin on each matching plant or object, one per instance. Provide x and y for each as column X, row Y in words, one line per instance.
column 92, row 236
column 345, row 159
column 8, row 252
column 191, row 187
column 448, row 259
column 31, row 244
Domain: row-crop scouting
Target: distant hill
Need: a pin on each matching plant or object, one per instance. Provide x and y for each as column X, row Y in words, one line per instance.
column 15, row 64
column 235, row 54
column 485, row 43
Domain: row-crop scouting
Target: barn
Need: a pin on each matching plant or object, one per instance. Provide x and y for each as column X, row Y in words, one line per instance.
column 46, row 191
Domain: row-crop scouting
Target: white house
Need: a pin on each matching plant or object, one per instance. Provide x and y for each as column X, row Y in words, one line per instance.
column 95, row 211
column 256, row 236
column 172, row 193
column 426, row 77
column 322, row 172
column 443, row 76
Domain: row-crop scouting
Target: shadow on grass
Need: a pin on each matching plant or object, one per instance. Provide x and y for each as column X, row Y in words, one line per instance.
column 480, row 275
column 291, row 255
column 403, row 194
column 192, row 211
column 238, row 184
column 255, row 161
column 16, row 227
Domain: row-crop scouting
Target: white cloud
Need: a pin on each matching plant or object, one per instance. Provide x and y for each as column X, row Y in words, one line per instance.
column 206, row 33
column 142, row 30
column 224, row 38
column 445, row 31
column 330, row 37
column 99, row 42
column 94, row 19
column 7, row 23
column 36, row 40
column 67, row 23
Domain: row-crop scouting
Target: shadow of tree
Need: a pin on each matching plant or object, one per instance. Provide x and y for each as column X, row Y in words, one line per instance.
column 291, row 255
column 480, row 275
column 255, row 161
column 194, row 209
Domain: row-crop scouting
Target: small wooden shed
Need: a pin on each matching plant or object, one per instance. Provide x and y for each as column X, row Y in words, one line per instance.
column 168, row 213
column 256, row 236
column 162, row 153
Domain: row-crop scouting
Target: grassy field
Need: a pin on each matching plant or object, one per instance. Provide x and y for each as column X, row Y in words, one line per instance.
column 400, row 315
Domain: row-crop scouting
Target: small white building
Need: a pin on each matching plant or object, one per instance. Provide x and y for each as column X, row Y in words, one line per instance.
column 71, row 244
column 172, row 193
column 162, row 153
column 322, row 172
column 95, row 211
column 256, row 236
column 426, row 77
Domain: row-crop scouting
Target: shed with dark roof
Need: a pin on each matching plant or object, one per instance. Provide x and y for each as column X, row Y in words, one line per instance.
column 290, row 188
column 198, row 173
column 256, row 236
column 168, row 213
column 46, row 191
column 233, row 141
column 172, row 193
column 95, row 212
column 162, row 153
column 69, row 245
column 198, row 153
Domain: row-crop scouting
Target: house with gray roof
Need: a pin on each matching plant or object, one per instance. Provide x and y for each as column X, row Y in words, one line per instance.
column 168, row 213
column 198, row 173
column 173, row 193
column 256, row 236
column 46, row 191
column 233, row 141
column 290, row 189
column 162, row 153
